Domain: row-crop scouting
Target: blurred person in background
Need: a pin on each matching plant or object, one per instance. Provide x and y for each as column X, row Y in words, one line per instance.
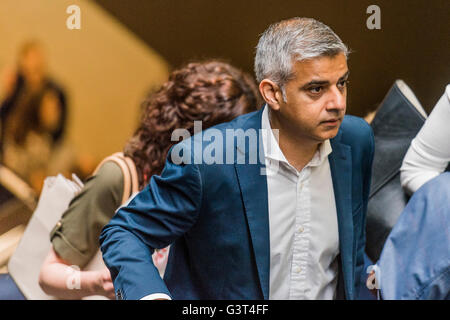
column 429, row 152
column 415, row 262
column 33, row 117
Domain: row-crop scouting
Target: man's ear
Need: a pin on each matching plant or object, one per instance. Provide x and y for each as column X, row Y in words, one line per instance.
column 271, row 93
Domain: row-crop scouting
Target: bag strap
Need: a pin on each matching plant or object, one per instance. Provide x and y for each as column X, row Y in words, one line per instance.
column 134, row 175
column 130, row 178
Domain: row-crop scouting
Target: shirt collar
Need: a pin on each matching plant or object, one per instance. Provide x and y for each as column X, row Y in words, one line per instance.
column 272, row 149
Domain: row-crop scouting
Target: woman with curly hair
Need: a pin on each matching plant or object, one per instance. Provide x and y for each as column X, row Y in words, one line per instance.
column 212, row 92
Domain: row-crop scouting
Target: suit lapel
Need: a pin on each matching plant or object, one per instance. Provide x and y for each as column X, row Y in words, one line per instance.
column 341, row 172
column 253, row 186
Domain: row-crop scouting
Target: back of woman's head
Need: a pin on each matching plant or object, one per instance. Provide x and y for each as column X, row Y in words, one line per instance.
column 212, row 92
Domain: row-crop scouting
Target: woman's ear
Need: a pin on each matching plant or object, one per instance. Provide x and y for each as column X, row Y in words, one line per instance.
column 271, row 93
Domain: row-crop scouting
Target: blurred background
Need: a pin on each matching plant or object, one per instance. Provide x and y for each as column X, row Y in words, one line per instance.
column 70, row 97
column 412, row 44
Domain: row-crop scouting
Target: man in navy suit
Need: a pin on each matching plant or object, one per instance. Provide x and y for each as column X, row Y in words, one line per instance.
column 271, row 205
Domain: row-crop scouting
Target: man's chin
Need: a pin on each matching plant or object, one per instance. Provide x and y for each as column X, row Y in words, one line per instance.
column 329, row 134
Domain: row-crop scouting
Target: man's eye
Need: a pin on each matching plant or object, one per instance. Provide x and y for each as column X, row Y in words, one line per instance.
column 315, row 90
column 343, row 83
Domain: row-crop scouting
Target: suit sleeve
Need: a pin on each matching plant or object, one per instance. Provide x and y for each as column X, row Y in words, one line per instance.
column 152, row 219
column 367, row 158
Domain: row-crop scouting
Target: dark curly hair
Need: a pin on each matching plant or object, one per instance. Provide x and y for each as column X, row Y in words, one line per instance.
column 211, row 91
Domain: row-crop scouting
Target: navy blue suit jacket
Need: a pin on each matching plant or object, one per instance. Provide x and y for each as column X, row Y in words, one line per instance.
column 215, row 216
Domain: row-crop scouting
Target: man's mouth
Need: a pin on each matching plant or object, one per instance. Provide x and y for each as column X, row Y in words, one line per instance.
column 331, row 122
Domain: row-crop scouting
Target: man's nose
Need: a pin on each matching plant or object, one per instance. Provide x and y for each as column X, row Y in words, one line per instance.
column 337, row 99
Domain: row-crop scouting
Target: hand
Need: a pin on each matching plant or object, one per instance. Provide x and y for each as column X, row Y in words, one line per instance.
column 103, row 284
column 370, row 283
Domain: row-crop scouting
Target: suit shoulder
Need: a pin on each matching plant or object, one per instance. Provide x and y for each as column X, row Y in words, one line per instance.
column 222, row 127
column 358, row 134
column 355, row 124
column 192, row 147
column 355, row 130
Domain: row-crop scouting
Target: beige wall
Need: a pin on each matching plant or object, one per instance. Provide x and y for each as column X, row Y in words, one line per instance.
column 104, row 68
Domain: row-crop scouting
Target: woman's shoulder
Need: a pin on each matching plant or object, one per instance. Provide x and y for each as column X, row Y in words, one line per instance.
column 108, row 177
column 105, row 186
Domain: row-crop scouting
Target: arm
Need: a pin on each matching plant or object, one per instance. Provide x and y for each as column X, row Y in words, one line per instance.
column 153, row 219
column 58, row 278
column 75, row 239
column 429, row 153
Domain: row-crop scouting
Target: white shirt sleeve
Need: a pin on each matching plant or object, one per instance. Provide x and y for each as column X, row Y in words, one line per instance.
column 155, row 296
column 429, row 153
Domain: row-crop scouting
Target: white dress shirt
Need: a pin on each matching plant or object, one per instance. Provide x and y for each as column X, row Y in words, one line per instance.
column 304, row 239
column 429, row 153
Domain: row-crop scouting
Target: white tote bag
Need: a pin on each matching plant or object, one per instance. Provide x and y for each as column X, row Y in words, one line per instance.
column 25, row 263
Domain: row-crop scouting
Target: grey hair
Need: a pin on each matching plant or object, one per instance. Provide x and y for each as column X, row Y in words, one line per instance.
column 295, row 39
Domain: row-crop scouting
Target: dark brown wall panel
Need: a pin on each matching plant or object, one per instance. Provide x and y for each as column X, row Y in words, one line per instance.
column 413, row 43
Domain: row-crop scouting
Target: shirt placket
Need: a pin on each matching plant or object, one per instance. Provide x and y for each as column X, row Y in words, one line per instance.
column 298, row 286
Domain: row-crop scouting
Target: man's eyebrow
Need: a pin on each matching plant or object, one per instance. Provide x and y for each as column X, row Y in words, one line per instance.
column 316, row 82
column 325, row 82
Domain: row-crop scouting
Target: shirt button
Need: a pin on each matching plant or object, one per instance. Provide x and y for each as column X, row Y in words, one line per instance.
column 298, row 270
column 301, row 229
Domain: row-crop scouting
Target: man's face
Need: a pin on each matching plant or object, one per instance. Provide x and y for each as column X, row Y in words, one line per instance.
column 315, row 98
